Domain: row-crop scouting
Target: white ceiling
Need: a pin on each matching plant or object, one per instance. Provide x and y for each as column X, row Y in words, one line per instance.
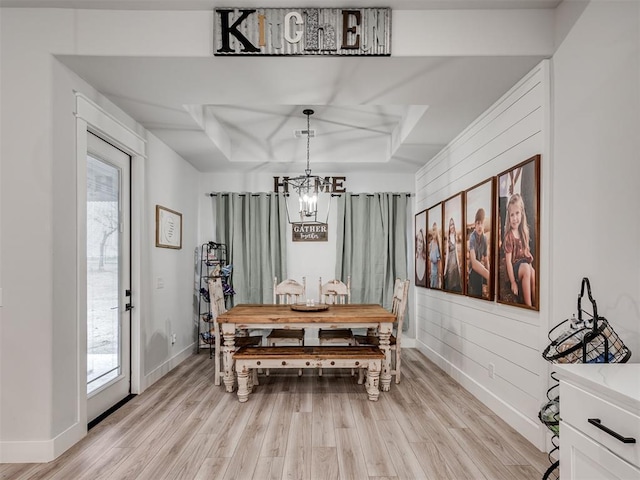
column 382, row 114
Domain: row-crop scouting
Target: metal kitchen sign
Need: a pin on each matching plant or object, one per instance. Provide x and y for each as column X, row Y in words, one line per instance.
column 303, row 31
column 309, row 232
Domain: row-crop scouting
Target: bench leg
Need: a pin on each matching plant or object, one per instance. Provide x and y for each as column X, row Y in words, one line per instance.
column 373, row 381
column 243, row 384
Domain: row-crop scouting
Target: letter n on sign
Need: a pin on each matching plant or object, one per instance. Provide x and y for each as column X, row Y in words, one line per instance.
column 309, row 232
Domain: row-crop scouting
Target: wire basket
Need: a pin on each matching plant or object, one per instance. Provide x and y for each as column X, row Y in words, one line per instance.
column 550, row 415
column 208, row 337
column 591, row 340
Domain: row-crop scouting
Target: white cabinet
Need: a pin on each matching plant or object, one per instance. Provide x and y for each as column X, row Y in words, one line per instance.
column 600, row 421
column 582, row 458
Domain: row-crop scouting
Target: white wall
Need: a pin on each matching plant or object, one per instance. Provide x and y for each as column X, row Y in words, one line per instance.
column 594, row 225
column 596, row 172
column 462, row 334
column 588, row 138
column 173, row 183
column 40, row 365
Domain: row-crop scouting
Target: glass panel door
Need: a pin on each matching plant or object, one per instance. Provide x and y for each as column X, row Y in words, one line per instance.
column 108, row 274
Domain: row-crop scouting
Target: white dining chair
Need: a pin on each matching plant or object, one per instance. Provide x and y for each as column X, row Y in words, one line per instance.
column 398, row 307
column 335, row 292
column 217, row 305
column 287, row 292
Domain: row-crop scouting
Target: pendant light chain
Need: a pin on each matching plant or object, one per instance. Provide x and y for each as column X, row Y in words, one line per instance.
column 308, row 113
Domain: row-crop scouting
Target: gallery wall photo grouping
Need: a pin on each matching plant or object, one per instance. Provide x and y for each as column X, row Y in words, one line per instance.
column 484, row 242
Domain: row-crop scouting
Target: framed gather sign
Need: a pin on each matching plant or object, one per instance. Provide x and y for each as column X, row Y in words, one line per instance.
column 168, row 228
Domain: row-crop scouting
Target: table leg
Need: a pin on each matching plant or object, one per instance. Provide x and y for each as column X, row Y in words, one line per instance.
column 229, row 334
column 384, row 333
column 373, row 377
column 218, row 350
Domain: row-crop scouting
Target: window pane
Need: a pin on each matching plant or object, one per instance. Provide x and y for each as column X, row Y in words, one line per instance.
column 103, row 255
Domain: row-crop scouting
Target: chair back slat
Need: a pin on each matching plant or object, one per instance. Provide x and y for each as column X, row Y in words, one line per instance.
column 289, row 291
column 216, row 296
column 335, row 291
column 399, row 303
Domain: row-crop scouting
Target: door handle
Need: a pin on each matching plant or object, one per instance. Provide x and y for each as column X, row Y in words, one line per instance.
column 128, row 307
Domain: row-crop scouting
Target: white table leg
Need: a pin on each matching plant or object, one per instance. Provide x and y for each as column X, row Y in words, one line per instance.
column 384, row 333
column 229, row 334
column 373, row 378
column 217, row 347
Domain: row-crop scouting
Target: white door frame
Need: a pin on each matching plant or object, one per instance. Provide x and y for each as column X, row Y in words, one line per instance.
column 92, row 118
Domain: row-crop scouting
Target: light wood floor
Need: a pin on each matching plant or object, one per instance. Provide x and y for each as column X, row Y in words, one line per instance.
column 309, row 427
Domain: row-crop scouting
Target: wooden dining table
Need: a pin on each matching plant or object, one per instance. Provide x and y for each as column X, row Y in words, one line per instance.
column 265, row 316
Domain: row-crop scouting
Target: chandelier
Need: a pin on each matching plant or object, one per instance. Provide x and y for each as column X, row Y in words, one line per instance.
column 308, row 186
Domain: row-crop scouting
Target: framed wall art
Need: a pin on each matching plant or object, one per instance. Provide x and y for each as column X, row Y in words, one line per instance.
column 168, row 228
column 519, row 234
column 479, row 216
column 421, row 249
column 453, row 244
column 434, row 247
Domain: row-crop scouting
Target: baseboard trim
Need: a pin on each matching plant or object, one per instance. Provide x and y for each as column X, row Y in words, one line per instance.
column 534, row 432
column 41, row 451
column 160, row 371
column 408, row 342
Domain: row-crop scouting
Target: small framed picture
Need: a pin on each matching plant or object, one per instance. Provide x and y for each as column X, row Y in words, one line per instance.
column 168, row 228
column 453, row 244
column 518, row 239
column 434, row 247
column 421, row 249
column 479, row 214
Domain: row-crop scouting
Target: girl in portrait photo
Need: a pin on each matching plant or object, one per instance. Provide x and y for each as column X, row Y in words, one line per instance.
column 452, row 275
column 517, row 251
column 434, row 259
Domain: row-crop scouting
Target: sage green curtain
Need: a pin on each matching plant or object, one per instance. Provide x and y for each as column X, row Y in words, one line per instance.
column 372, row 244
column 253, row 226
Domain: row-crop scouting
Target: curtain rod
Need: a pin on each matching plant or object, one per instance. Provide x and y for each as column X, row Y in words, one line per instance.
column 224, row 194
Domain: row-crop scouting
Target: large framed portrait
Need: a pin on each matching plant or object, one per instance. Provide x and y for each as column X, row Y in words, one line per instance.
column 453, row 244
column 434, row 247
column 519, row 234
column 479, row 213
column 421, row 249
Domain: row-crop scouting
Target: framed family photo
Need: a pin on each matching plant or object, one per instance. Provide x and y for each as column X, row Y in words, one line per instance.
column 434, row 247
column 519, row 234
column 421, row 249
column 453, row 244
column 168, row 228
column 479, row 214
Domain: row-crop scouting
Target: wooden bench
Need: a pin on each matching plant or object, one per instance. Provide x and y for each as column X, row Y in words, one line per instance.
column 369, row 357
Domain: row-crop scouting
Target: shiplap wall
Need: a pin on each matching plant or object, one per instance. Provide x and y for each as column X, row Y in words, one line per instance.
column 464, row 335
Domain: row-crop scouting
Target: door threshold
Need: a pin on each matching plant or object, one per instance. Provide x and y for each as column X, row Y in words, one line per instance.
column 104, row 415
